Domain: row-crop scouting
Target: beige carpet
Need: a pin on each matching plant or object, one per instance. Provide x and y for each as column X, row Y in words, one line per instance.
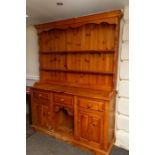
column 29, row 131
column 40, row 144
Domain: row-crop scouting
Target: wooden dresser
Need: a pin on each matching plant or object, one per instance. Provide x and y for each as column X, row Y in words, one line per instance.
column 75, row 97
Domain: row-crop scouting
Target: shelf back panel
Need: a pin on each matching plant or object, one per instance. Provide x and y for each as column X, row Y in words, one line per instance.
column 86, row 37
column 80, row 62
column 82, row 80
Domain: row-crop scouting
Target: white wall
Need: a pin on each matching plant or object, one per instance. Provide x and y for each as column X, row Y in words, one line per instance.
column 32, row 63
column 122, row 112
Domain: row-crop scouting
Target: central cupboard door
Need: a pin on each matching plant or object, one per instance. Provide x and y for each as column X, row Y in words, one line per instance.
column 90, row 128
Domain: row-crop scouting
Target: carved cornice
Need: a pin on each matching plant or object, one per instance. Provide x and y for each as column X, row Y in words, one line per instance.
column 112, row 17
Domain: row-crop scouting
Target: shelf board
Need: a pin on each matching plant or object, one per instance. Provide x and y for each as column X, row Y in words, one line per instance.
column 80, row 51
column 77, row 71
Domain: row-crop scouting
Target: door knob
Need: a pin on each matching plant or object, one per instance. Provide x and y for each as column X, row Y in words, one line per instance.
column 40, row 95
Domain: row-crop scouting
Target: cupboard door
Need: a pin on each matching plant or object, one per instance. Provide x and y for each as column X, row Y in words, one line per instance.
column 46, row 117
column 36, row 114
column 95, row 129
column 83, row 121
column 90, row 128
column 42, row 115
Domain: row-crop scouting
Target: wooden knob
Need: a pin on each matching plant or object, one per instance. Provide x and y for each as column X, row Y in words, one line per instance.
column 88, row 106
column 40, row 95
column 93, row 124
column 62, row 100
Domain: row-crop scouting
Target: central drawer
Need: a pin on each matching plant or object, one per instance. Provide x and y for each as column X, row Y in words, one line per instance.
column 63, row 99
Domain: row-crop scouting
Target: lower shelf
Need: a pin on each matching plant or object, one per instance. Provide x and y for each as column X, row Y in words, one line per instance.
column 68, row 138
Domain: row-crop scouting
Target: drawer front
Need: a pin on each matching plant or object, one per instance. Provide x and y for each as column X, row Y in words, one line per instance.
column 41, row 95
column 63, row 99
column 91, row 104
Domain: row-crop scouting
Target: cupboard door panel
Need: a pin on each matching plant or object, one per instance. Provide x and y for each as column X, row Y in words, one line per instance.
column 95, row 129
column 41, row 109
column 90, row 129
column 36, row 113
column 84, row 126
column 46, row 117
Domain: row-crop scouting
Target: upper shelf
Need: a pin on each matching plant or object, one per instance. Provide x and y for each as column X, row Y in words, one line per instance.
column 80, row 51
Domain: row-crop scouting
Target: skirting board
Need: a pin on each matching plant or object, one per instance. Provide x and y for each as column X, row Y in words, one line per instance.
column 32, row 77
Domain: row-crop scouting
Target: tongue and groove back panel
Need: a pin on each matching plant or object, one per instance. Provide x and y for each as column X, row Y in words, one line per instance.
column 86, row 37
column 82, row 56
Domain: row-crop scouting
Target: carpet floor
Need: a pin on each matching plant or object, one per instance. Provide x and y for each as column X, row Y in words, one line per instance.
column 40, row 144
column 29, row 131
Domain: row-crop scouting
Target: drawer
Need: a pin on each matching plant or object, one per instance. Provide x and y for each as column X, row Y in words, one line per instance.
column 90, row 104
column 63, row 99
column 41, row 95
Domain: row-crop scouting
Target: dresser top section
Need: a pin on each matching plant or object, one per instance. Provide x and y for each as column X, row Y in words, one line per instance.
column 96, row 94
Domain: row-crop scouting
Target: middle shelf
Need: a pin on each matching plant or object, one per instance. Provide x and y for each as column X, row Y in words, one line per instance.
column 78, row 71
column 79, row 63
column 106, row 51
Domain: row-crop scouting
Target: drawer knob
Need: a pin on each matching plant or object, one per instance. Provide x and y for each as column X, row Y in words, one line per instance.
column 93, row 124
column 88, row 106
column 40, row 95
column 79, row 120
column 62, row 100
